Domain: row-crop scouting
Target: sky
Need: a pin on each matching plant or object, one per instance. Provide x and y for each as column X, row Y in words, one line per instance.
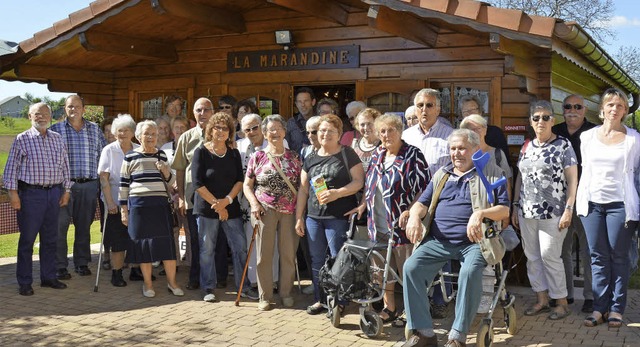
column 21, row 19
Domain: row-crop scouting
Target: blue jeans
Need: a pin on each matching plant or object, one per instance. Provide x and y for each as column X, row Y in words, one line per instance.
column 81, row 210
column 208, row 229
column 322, row 233
column 423, row 265
column 609, row 238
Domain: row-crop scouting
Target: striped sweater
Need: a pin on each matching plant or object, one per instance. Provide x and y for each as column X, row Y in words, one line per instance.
column 139, row 176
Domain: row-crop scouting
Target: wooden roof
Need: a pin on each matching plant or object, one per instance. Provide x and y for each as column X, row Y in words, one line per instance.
column 109, row 35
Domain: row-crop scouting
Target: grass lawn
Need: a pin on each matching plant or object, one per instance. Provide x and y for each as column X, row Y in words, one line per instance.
column 9, row 243
column 13, row 126
column 3, row 160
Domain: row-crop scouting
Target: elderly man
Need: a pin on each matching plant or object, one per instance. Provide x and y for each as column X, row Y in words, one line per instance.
column 37, row 177
column 431, row 132
column 187, row 144
column 452, row 233
column 296, row 125
column 430, row 135
column 469, row 105
column 575, row 124
column 84, row 141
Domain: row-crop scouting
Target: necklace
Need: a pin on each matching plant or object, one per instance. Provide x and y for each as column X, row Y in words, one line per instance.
column 212, row 149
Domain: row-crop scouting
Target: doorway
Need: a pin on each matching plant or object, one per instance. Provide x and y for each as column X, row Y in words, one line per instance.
column 343, row 94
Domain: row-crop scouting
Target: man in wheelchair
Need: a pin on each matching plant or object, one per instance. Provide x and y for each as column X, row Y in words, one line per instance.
column 453, row 208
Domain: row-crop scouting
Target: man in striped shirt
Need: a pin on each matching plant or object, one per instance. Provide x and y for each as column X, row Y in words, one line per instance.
column 37, row 177
column 84, row 142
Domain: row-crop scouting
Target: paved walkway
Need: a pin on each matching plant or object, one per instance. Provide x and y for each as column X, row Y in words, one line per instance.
column 122, row 316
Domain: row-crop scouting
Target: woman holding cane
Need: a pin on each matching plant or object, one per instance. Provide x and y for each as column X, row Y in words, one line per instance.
column 270, row 185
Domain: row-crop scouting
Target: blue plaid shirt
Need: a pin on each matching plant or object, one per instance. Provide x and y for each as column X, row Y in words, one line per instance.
column 84, row 147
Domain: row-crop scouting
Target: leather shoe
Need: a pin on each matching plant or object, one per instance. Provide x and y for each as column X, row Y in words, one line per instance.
column 83, row 270
column 193, row 285
column 587, row 307
column 63, row 274
column 55, row 284
column 221, row 284
column 25, row 290
column 418, row 340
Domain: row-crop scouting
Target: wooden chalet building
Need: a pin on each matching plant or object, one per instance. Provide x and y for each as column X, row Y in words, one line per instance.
column 127, row 55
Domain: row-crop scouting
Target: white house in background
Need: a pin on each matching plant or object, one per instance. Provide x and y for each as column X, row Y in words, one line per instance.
column 12, row 106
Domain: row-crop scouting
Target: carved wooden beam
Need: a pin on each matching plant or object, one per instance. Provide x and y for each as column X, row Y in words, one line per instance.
column 58, row 73
column 402, row 24
column 127, row 45
column 219, row 18
column 328, row 9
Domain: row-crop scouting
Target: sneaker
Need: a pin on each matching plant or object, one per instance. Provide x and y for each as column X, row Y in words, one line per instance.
column 485, row 304
column 209, row 296
column 308, row 290
column 287, row 302
column 250, row 294
column 155, row 264
column 438, row 311
column 264, row 305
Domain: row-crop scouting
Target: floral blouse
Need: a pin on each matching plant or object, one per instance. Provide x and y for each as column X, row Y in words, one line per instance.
column 544, row 187
column 271, row 190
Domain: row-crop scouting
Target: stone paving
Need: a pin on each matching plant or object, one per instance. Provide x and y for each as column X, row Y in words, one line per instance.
column 112, row 316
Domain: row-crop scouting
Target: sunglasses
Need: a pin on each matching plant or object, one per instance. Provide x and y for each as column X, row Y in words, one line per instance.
column 576, row 107
column 427, row 105
column 537, row 118
column 312, row 132
column 253, row 128
column 225, row 107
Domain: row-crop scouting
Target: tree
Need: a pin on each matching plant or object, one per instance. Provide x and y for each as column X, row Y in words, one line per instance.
column 592, row 15
column 629, row 59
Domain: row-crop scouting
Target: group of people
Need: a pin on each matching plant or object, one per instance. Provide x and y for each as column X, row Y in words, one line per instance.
column 296, row 182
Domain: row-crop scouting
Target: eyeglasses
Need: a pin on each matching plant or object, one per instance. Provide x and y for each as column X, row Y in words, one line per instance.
column 219, row 128
column 225, row 107
column 253, row 128
column 422, row 105
column 203, row 110
column 544, row 118
column 327, row 131
column 312, row 132
column 576, row 107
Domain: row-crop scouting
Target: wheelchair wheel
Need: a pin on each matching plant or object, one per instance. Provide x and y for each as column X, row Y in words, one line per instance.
column 511, row 320
column 371, row 324
column 485, row 335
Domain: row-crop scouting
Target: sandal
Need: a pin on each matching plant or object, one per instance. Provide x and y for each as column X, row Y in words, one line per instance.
column 591, row 321
column 391, row 315
column 555, row 315
column 536, row 310
column 614, row 322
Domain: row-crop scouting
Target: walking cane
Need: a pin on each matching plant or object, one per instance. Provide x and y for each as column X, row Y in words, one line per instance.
column 104, row 229
column 246, row 264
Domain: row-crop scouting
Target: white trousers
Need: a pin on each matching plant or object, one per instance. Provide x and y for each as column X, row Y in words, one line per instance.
column 542, row 241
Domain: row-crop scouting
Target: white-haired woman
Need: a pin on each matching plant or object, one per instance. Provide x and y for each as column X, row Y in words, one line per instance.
column 145, row 176
column 116, row 237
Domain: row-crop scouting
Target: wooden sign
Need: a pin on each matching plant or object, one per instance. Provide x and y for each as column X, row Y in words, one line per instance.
column 511, row 128
column 312, row 58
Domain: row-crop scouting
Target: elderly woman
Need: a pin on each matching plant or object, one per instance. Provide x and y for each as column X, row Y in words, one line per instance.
column 217, row 178
column 327, row 106
column 544, row 196
column 608, row 205
column 143, row 196
column 352, row 110
column 329, row 180
column 411, row 116
column 116, row 237
column 397, row 175
column 105, row 126
column 179, row 125
column 365, row 145
column 164, row 130
column 270, row 185
column 312, row 134
column 173, row 105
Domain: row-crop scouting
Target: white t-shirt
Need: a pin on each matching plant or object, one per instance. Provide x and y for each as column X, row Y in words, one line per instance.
column 607, row 164
column 110, row 161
